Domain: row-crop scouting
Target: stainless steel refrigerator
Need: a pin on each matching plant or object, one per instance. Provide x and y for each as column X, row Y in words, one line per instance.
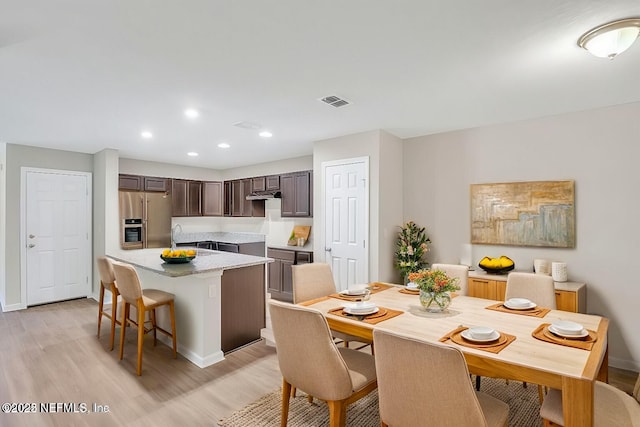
column 145, row 219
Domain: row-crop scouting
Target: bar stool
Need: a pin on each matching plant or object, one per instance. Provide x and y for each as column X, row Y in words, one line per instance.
column 108, row 282
column 146, row 300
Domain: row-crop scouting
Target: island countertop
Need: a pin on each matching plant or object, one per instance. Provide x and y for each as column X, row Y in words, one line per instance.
column 206, row 261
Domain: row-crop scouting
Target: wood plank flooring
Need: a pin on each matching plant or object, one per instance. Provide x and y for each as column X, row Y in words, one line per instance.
column 50, row 354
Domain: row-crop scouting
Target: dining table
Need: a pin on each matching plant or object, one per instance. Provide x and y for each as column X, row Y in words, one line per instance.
column 531, row 355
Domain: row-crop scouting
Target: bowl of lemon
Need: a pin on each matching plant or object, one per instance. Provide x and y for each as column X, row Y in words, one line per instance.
column 178, row 256
column 496, row 265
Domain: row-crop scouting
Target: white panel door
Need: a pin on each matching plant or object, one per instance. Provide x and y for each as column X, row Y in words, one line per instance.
column 57, row 226
column 346, row 221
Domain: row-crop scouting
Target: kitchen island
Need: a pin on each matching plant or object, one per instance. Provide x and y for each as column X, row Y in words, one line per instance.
column 219, row 298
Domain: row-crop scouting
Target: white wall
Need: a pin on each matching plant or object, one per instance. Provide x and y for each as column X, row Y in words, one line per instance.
column 3, row 222
column 598, row 149
column 373, row 144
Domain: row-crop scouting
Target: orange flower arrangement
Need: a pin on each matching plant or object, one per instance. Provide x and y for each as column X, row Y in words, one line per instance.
column 436, row 281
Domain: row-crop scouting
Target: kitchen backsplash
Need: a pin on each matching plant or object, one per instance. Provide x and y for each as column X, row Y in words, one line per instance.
column 275, row 228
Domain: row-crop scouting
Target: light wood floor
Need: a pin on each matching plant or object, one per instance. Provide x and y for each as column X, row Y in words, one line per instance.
column 50, row 354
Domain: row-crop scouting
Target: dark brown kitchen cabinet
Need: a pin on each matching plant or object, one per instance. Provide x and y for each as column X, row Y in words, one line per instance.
column 227, row 198
column 129, row 182
column 240, row 206
column 155, row 184
column 212, row 198
column 258, row 183
column 280, row 284
column 273, row 183
column 296, row 192
column 186, row 197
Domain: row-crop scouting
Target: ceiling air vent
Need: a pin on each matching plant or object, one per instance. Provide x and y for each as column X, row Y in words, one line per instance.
column 334, row 101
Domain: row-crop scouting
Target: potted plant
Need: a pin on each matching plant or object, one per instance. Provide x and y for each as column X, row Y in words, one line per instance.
column 411, row 247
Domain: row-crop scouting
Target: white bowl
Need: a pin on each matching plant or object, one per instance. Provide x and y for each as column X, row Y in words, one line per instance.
column 354, row 292
column 519, row 302
column 360, row 306
column 566, row 327
column 481, row 332
column 412, row 285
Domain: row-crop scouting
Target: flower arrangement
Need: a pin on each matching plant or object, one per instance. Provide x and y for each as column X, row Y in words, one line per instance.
column 411, row 248
column 434, row 281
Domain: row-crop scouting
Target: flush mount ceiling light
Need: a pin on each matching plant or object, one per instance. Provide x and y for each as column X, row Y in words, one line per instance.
column 609, row 40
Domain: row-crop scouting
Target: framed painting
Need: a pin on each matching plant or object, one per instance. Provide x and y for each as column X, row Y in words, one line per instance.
column 535, row 213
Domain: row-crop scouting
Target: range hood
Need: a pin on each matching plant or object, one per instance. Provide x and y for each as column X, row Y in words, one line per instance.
column 264, row 195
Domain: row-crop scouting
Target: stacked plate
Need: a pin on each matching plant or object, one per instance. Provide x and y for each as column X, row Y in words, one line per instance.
column 361, row 308
column 354, row 292
column 480, row 334
column 519, row 304
column 568, row 329
column 412, row 286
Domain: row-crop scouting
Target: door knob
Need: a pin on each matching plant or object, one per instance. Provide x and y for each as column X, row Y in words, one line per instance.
column 31, row 245
column 31, row 236
column 327, row 249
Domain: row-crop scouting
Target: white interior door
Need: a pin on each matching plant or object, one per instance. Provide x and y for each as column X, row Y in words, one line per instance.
column 347, row 220
column 56, row 220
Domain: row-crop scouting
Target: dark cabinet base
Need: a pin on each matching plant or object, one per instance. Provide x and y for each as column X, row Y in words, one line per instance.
column 243, row 306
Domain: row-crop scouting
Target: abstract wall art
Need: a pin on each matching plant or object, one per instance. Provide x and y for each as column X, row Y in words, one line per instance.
column 535, row 213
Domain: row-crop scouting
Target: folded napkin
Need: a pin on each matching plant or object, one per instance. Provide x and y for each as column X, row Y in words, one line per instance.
column 535, row 312
column 381, row 315
column 493, row 347
column 542, row 333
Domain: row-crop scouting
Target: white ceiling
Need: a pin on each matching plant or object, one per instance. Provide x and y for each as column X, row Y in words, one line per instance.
column 85, row 75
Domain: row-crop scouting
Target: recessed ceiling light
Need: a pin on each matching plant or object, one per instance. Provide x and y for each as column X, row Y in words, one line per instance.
column 192, row 113
column 192, row 154
column 265, row 134
column 223, row 145
column 146, row 134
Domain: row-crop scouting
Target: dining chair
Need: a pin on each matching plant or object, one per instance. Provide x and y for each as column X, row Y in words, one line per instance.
column 311, row 361
column 422, row 383
column 612, row 407
column 108, row 282
column 315, row 280
column 456, row 270
column 144, row 301
column 538, row 288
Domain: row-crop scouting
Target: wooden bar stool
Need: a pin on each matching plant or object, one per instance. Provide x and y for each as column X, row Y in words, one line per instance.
column 108, row 282
column 146, row 300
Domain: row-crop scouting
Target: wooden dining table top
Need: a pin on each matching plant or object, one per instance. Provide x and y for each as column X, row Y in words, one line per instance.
column 526, row 358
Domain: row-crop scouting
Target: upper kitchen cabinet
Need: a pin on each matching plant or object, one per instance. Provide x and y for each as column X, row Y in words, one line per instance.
column 227, row 198
column 272, row 183
column 212, row 198
column 186, row 197
column 258, row 183
column 156, row 184
column 130, row 182
column 296, row 192
column 240, row 206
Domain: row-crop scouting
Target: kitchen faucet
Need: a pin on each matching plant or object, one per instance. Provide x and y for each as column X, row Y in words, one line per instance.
column 174, row 231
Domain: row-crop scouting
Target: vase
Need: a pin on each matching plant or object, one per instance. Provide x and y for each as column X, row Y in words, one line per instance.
column 435, row 302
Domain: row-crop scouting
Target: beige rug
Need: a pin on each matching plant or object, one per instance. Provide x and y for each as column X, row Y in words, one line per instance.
column 265, row 412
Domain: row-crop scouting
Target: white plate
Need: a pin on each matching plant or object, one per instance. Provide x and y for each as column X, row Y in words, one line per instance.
column 519, row 302
column 582, row 334
column 567, row 327
column 481, row 332
column 466, row 334
column 354, row 292
column 361, row 313
column 520, row 307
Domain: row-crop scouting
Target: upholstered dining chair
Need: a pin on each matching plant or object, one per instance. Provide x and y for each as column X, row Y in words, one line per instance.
column 315, row 280
column 455, row 270
column 612, row 407
column 310, row 361
column 538, row 288
column 423, row 383
column 108, row 282
column 144, row 301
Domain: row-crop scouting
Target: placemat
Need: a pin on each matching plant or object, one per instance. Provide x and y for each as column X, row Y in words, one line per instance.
column 542, row 333
column 313, row 301
column 492, row 347
column 382, row 314
column 409, row 291
column 535, row 312
column 347, row 297
column 376, row 287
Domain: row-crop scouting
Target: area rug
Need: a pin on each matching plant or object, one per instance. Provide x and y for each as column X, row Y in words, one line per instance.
column 265, row 412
